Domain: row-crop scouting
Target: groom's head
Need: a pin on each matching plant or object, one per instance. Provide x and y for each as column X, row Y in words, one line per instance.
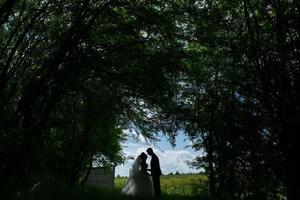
column 150, row 151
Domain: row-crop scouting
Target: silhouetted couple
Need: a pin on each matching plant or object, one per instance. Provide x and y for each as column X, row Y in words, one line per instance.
column 140, row 182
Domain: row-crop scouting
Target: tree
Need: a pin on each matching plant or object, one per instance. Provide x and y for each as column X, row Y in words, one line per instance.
column 237, row 95
column 74, row 74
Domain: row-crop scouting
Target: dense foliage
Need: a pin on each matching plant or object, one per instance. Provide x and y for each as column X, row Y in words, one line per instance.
column 239, row 100
column 75, row 73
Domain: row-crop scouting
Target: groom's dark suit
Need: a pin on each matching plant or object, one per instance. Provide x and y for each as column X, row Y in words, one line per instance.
column 155, row 173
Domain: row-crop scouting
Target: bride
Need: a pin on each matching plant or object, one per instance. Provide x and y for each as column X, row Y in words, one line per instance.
column 139, row 181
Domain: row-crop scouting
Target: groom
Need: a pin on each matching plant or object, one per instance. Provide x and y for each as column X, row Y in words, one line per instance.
column 155, row 172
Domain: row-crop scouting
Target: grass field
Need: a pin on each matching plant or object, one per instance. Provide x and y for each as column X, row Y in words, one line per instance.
column 185, row 186
column 174, row 187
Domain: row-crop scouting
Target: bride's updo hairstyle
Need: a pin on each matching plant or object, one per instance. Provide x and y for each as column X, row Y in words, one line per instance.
column 144, row 156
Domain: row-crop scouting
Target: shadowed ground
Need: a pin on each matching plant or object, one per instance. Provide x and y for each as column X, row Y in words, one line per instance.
column 183, row 187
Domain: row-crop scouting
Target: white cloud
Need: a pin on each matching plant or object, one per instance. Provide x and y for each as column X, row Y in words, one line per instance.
column 170, row 160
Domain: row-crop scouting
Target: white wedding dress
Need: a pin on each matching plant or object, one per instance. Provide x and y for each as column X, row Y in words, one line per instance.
column 139, row 182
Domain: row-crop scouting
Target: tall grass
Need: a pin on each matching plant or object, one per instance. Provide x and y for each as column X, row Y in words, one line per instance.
column 60, row 191
column 175, row 187
column 185, row 186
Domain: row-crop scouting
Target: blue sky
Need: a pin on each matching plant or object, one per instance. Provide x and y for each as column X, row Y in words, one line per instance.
column 171, row 159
